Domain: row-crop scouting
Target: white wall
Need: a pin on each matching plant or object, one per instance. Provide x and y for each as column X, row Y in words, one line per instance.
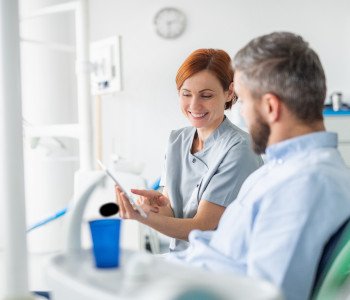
column 139, row 118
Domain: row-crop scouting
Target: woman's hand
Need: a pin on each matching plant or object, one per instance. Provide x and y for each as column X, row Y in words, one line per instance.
column 126, row 210
column 148, row 204
column 154, row 201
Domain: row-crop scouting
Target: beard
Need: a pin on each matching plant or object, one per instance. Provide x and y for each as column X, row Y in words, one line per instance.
column 260, row 132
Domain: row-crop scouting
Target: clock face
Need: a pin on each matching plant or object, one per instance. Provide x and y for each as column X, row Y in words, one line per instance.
column 170, row 22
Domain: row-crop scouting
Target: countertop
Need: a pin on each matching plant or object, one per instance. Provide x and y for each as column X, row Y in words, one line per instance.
column 344, row 111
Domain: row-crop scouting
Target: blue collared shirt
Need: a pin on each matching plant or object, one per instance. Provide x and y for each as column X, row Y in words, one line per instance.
column 283, row 216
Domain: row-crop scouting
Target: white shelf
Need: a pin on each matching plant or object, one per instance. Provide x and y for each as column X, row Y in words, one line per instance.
column 59, row 8
column 59, row 130
column 50, row 45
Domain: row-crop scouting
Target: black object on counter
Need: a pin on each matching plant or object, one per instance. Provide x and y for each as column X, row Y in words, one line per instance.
column 109, row 209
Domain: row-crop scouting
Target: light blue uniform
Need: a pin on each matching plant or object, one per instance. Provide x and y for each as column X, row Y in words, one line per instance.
column 215, row 173
column 285, row 213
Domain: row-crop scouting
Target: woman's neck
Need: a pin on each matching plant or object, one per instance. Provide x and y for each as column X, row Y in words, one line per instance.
column 201, row 136
column 197, row 144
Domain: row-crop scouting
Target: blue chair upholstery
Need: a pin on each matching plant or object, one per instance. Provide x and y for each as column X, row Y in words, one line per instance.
column 42, row 294
column 332, row 249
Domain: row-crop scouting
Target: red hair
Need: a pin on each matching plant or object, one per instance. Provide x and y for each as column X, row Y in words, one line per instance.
column 218, row 62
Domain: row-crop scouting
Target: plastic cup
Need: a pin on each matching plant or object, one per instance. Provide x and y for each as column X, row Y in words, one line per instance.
column 105, row 235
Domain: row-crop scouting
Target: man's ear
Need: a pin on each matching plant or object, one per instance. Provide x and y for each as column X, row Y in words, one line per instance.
column 271, row 107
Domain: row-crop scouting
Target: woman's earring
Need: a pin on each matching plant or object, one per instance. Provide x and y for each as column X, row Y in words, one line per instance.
column 234, row 99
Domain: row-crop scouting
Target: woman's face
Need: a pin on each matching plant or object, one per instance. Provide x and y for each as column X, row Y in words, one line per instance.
column 202, row 100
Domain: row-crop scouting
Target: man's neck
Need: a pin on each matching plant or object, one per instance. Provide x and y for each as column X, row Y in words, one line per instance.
column 288, row 130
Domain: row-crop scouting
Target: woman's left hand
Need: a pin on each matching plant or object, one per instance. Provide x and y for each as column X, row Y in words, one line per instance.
column 126, row 210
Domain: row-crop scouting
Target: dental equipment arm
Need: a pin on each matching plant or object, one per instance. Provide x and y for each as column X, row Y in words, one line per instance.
column 76, row 212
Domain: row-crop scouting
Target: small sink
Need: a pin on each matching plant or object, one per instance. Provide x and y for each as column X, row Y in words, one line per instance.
column 75, row 277
column 143, row 276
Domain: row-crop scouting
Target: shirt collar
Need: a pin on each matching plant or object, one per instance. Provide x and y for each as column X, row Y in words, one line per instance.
column 217, row 132
column 303, row 143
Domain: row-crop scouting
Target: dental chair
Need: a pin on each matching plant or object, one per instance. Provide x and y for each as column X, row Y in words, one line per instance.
column 334, row 267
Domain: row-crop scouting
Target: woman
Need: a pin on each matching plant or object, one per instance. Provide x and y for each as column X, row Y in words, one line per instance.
column 206, row 163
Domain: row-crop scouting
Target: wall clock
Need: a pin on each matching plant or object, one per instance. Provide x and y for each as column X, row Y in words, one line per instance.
column 170, row 22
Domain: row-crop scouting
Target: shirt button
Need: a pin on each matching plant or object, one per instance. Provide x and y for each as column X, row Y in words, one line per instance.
column 194, row 160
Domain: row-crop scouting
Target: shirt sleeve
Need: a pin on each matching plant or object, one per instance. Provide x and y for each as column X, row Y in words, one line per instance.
column 236, row 166
column 201, row 254
column 163, row 176
column 288, row 238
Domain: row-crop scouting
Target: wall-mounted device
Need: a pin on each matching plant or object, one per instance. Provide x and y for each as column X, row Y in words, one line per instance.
column 106, row 66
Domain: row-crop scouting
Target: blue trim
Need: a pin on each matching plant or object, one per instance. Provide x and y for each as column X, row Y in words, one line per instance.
column 331, row 112
column 62, row 212
column 55, row 216
column 155, row 185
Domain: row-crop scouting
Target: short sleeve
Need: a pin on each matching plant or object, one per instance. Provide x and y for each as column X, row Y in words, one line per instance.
column 163, row 176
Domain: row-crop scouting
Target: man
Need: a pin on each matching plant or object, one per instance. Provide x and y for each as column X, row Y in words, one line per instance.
column 288, row 209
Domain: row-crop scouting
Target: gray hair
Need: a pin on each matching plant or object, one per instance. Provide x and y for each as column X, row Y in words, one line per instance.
column 283, row 64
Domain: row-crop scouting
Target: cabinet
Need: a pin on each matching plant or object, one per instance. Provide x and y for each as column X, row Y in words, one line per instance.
column 340, row 123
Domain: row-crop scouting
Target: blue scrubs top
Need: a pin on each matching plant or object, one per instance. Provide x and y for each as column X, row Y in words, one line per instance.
column 214, row 174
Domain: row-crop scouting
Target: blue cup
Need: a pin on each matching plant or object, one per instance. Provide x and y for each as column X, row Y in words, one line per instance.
column 105, row 235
